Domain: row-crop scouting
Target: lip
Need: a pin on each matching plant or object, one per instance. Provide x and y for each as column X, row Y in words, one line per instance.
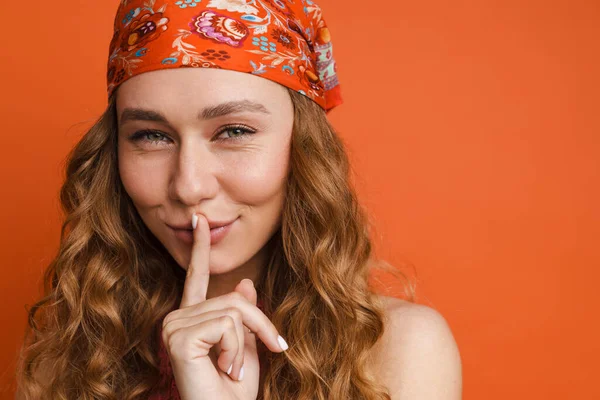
column 216, row 234
column 211, row 225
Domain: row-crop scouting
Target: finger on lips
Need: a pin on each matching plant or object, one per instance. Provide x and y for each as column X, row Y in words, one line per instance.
column 221, row 320
column 198, row 273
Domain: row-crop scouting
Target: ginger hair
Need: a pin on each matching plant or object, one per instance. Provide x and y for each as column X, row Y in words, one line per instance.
column 112, row 282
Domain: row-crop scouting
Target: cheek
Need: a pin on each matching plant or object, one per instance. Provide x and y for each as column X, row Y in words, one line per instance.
column 258, row 177
column 141, row 180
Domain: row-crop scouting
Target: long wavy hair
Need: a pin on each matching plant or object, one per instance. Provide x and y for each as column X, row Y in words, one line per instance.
column 112, row 282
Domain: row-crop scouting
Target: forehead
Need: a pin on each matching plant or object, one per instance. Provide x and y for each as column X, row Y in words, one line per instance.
column 198, row 87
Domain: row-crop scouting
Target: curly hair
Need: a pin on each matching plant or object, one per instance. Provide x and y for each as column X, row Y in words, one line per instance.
column 112, row 281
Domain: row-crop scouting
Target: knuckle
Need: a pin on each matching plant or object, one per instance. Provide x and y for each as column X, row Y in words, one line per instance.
column 236, row 297
column 169, row 317
column 167, row 332
column 227, row 321
column 182, row 345
column 235, row 313
column 165, row 335
column 167, row 328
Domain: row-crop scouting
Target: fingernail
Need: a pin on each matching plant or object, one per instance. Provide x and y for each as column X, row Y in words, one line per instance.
column 282, row 343
column 229, row 370
column 194, row 221
column 241, row 373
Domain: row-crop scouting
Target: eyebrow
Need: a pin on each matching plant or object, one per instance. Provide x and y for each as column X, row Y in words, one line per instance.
column 210, row 112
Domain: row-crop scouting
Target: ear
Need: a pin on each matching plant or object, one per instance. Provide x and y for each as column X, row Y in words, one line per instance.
column 246, row 288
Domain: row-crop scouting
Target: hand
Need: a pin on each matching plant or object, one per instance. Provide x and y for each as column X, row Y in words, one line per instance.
column 203, row 338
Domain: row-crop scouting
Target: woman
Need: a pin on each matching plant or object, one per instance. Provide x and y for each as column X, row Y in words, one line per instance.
column 213, row 247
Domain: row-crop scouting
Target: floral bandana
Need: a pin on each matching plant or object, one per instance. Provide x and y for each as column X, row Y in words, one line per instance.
column 286, row 41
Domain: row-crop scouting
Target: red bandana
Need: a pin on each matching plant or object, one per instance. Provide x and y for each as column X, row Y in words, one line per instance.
column 286, row 41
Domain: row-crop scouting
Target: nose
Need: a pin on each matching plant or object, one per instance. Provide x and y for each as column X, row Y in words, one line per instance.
column 194, row 177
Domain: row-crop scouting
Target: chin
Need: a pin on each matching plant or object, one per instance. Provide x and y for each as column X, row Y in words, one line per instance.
column 221, row 269
column 216, row 264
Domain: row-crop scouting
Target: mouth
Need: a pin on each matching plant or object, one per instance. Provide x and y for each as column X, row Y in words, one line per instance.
column 217, row 233
column 211, row 224
column 191, row 230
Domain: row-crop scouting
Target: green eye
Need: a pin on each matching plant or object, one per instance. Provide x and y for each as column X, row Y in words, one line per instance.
column 145, row 133
column 233, row 132
column 241, row 129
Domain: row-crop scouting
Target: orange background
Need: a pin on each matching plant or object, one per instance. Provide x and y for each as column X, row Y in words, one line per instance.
column 473, row 129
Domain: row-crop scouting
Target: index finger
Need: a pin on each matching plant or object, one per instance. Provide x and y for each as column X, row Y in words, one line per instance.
column 198, row 274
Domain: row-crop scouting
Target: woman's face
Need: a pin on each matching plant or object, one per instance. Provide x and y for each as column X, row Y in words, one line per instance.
column 216, row 143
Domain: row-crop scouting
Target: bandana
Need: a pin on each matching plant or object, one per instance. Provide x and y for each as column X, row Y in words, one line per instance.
column 286, row 41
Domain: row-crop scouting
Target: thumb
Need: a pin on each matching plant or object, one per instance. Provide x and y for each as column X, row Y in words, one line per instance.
column 246, row 288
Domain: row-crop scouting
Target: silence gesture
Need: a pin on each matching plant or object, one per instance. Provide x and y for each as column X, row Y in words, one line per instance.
column 212, row 352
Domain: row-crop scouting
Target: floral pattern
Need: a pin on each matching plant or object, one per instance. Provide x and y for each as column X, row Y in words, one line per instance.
column 286, row 41
column 264, row 44
column 282, row 7
column 186, row 3
column 212, row 54
column 219, row 28
column 284, row 38
column 143, row 29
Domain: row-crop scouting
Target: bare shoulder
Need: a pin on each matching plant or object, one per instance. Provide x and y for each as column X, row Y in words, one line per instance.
column 417, row 356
